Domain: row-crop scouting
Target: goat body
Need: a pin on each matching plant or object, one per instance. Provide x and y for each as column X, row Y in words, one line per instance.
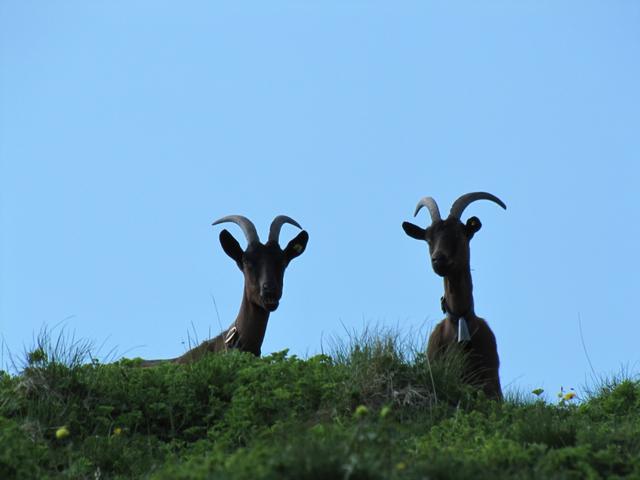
column 449, row 252
column 482, row 361
column 263, row 266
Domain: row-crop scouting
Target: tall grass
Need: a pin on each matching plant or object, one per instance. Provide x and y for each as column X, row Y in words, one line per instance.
column 388, row 367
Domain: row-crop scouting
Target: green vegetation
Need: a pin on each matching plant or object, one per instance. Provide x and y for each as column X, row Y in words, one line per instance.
column 373, row 409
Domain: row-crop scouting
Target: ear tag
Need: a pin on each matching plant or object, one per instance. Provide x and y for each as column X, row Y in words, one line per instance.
column 297, row 247
column 463, row 331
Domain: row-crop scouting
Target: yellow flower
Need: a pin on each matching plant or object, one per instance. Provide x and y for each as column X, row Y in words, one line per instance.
column 117, row 431
column 569, row 396
column 62, row 433
column 361, row 411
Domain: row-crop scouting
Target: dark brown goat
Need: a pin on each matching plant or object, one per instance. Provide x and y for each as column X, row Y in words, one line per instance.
column 263, row 266
column 448, row 242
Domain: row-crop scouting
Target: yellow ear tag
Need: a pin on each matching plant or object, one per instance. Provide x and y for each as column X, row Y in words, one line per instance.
column 297, row 247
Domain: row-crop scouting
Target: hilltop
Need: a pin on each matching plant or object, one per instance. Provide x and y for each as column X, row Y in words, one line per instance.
column 370, row 410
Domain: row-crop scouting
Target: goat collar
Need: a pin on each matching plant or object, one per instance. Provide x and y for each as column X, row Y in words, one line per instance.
column 233, row 341
column 463, row 328
column 232, row 338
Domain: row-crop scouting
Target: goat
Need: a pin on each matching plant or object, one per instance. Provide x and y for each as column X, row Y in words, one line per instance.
column 263, row 266
column 448, row 242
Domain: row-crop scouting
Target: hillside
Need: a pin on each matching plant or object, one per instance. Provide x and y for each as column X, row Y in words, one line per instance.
column 370, row 410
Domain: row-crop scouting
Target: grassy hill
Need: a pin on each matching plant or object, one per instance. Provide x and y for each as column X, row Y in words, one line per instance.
column 370, row 410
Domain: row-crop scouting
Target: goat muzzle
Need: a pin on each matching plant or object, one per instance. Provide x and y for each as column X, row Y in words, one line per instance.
column 270, row 297
column 270, row 303
column 440, row 264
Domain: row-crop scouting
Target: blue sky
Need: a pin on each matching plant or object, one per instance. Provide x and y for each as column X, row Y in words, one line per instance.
column 127, row 127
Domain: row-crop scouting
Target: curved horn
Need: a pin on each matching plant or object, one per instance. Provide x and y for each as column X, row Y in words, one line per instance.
column 276, row 225
column 248, row 228
column 432, row 206
column 463, row 202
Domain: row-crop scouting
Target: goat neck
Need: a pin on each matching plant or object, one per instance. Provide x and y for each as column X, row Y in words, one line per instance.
column 251, row 325
column 458, row 295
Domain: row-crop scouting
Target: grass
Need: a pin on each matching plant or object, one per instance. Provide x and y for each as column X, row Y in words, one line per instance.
column 371, row 407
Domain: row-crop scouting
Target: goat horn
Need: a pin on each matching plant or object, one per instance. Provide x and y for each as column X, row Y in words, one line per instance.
column 276, row 225
column 463, row 202
column 248, row 228
column 432, row 206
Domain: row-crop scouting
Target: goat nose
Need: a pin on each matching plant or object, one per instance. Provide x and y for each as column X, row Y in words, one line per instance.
column 267, row 288
column 439, row 259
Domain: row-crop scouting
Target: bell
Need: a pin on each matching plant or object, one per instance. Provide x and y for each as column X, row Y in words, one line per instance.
column 463, row 331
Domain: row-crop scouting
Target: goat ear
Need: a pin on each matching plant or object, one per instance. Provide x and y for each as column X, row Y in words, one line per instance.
column 472, row 226
column 414, row 231
column 231, row 247
column 296, row 246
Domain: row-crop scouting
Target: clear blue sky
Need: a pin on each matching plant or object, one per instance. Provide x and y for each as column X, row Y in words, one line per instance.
column 127, row 127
